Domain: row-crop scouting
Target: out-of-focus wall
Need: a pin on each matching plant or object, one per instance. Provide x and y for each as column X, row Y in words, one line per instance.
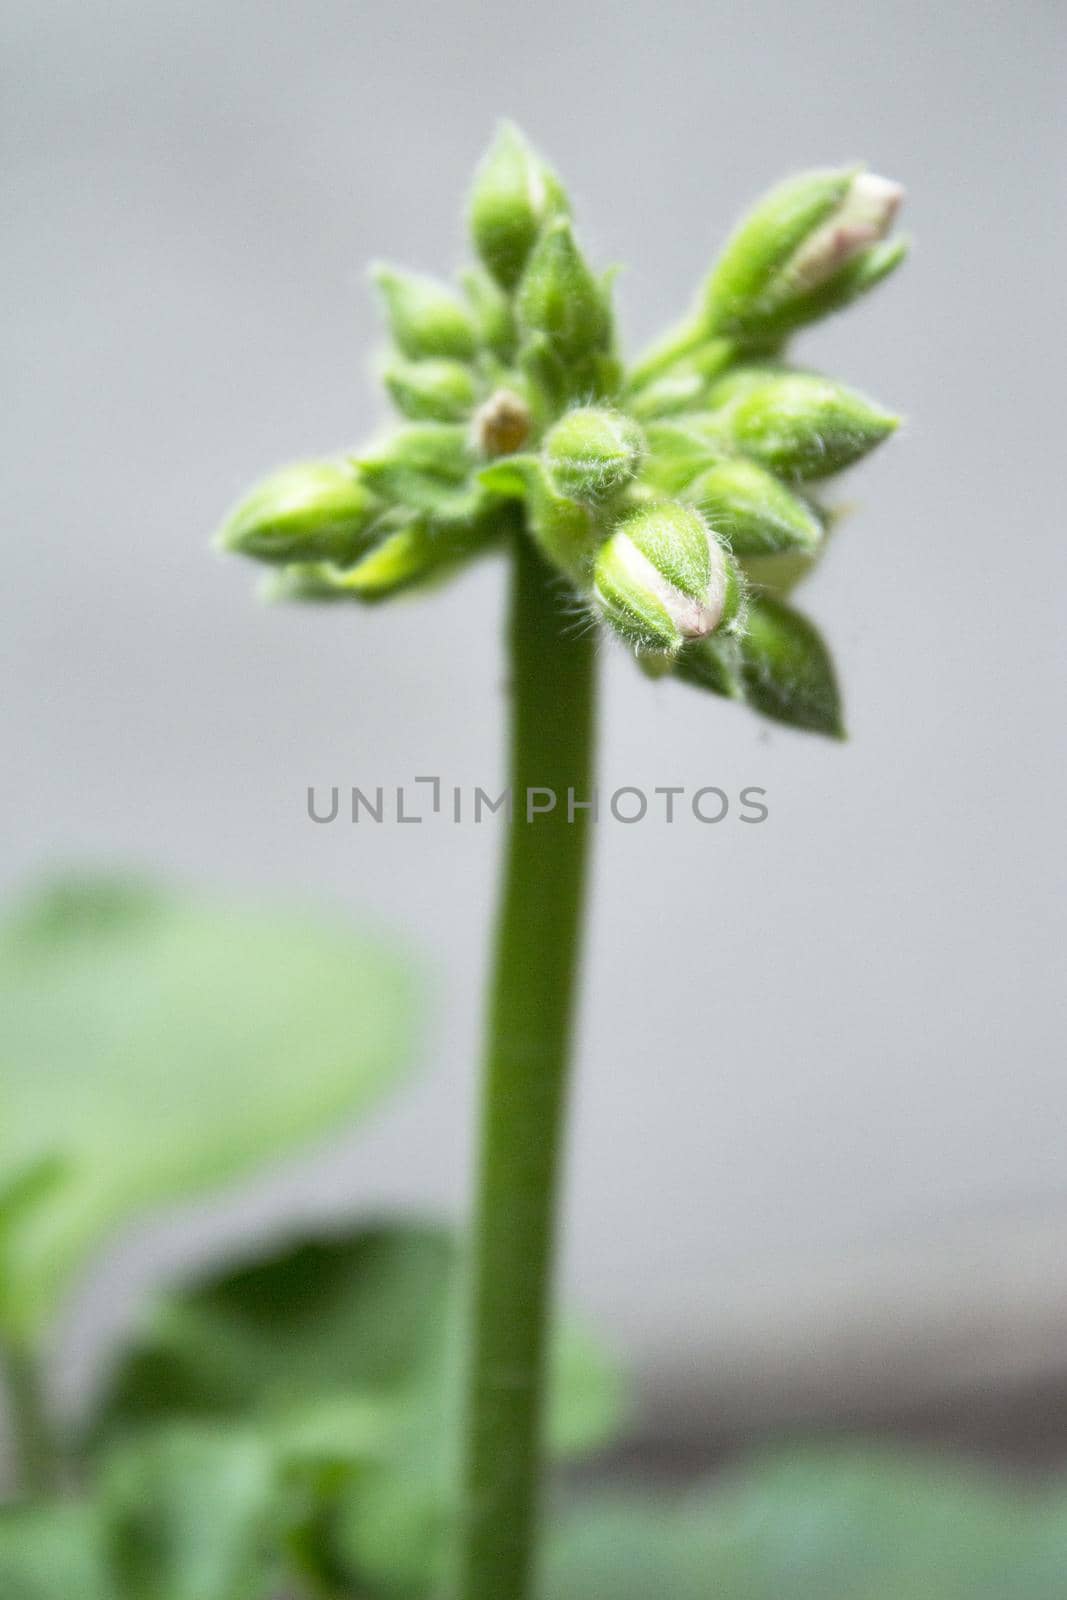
column 821, row 1102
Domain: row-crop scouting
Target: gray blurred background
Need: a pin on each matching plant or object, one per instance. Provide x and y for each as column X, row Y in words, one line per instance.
column 818, row 1165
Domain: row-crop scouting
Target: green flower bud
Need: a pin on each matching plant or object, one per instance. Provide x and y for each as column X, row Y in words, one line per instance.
column 425, row 317
column 807, row 248
column 753, row 511
column 432, row 391
column 803, row 426
column 591, row 452
column 662, row 578
column 424, row 467
column 314, row 511
column 561, row 299
column 514, row 195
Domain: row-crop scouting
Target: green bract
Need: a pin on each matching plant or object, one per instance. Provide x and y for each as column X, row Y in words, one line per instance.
column 521, row 420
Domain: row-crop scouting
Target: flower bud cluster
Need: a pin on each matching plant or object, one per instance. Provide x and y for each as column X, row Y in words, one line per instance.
column 675, row 498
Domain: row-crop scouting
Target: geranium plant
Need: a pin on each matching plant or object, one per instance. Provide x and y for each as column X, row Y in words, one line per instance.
column 669, row 502
column 366, row 1413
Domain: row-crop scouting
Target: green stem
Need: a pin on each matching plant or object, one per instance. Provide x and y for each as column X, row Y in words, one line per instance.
column 530, row 1011
column 31, row 1430
column 674, row 346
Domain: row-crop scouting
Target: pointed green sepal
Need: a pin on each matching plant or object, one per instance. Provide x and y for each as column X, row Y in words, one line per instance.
column 593, row 452
column 312, row 511
column 425, row 317
column 753, row 510
column 514, row 195
column 432, row 390
column 806, row 427
column 787, row 670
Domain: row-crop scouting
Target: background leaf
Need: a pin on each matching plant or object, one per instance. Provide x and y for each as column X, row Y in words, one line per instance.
column 193, row 1515
column 347, row 1354
column 823, row 1524
column 53, row 1553
column 313, row 1321
column 154, row 1043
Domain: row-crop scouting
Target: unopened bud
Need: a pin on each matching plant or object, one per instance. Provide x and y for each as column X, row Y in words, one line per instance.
column 561, row 299
column 502, row 425
column 431, row 391
column 514, row 195
column 809, row 247
column 425, row 317
column 314, row 511
column 753, row 510
column 591, row 452
column 662, row 578
column 803, row 426
column 864, row 216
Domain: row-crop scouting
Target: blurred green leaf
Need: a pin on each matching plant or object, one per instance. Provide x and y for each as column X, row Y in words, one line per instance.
column 347, row 1353
column 315, row 1321
column 334, row 1321
column 820, row 1525
column 193, row 1515
column 53, row 1552
column 153, row 1043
